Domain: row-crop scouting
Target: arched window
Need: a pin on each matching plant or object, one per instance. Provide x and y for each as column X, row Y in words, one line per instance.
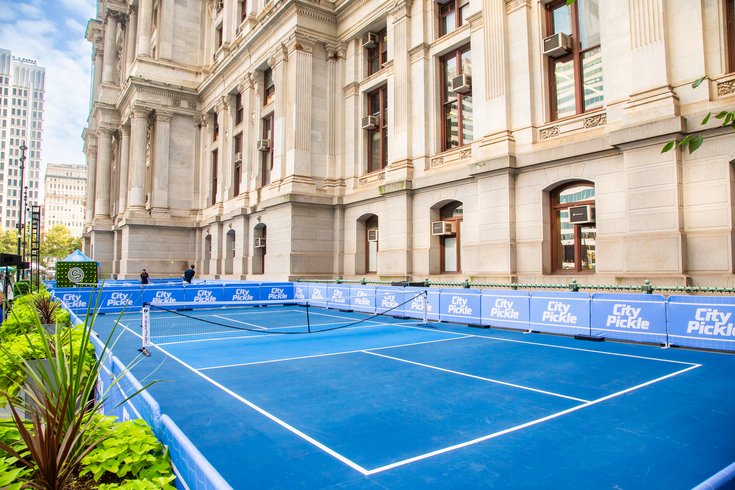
column 371, row 239
column 451, row 250
column 573, row 229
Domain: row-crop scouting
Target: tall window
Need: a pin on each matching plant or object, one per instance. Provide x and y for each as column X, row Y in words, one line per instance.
column 730, row 31
column 214, row 178
column 266, row 159
column 450, row 241
column 456, row 104
column 238, row 109
column 573, row 228
column 378, row 136
column 243, row 7
column 237, row 174
column 576, row 77
column 378, row 54
column 269, row 88
column 452, row 15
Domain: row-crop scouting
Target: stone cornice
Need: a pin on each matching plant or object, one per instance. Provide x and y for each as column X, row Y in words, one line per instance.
column 513, row 5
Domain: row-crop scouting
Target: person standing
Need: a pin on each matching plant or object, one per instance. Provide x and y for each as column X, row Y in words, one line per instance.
column 144, row 277
column 189, row 274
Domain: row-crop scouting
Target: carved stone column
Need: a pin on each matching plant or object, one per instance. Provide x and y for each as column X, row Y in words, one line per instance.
column 130, row 39
column 300, row 67
column 98, row 51
column 145, row 12
column 335, row 98
column 399, row 128
column 281, row 140
column 91, row 181
column 166, row 30
column 122, row 198
column 139, row 130
column 246, row 89
column 108, row 66
column 102, row 187
column 161, row 161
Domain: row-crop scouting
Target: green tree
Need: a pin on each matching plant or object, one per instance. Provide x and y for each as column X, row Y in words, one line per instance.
column 9, row 241
column 58, row 242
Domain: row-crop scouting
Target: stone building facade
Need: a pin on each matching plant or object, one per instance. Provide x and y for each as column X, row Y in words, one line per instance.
column 495, row 140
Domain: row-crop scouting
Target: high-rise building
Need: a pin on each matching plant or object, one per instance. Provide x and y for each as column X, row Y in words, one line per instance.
column 22, row 88
column 65, row 190
column 491, row 140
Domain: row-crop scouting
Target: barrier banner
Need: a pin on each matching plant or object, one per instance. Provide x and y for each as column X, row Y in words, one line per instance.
column 276, row 291
column 203, row 294
column 244, row 292
column 119, row 300
column 338, row 296
column 706, row 322
column 388, row 300
column 362, row 298
column 460, row 306
column 636, row 317
column 505, row 308
column 560, row 312
column 163, row 296
column 318, row 294
column 76, row 299
column 417, row 302
column 301, row 290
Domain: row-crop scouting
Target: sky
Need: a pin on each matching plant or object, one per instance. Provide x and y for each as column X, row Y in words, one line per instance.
column 52, row 33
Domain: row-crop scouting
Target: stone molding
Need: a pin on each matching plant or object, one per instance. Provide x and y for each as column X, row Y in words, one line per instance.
column 450, row 157
column 513, row 5
column 572, row 125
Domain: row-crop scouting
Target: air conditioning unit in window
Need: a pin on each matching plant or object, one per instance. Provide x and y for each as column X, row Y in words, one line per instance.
column 582, row 214
column 369, row 40
column 369, row 122
column 462, row 84
column 372, row 235
column 440, row 228
column 238, row 156
column 557, row 45
column 264, row 145
column 259, row 243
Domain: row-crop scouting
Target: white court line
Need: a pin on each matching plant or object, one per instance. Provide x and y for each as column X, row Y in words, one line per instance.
column 527, row 424
column 481, row 378
column 313, row 356
column 238, row 321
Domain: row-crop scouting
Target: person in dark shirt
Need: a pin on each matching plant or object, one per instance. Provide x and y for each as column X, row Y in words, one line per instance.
column 144, row 277
column 189, row 274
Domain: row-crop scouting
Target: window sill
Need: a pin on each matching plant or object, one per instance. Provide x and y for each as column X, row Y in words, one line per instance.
column 450, row 157
column 572, row 125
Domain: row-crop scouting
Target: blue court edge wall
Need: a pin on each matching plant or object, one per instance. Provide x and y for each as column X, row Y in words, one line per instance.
column 706, row 322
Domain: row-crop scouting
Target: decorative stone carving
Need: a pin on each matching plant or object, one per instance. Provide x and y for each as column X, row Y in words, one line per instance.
column 594, row 121
column 549, row 132
column 369, row 179
column 513, row 5
column 726, row 88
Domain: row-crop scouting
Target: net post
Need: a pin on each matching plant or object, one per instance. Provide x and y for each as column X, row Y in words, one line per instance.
column 146, row 329
column 426, row 307
column 308, row 323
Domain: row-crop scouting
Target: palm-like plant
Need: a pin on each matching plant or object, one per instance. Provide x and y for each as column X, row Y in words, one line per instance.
column 46, row 308
column 59, row 402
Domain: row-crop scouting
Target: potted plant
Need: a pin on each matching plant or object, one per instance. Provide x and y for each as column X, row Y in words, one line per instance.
column 46, row 309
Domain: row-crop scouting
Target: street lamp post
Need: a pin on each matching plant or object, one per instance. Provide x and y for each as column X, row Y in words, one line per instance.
column 23, row 149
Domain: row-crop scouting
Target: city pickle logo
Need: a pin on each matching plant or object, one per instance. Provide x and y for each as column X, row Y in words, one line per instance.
column 119, row 299
column 419, row 303
column 459, row 306
column 626, row 316
column 242, row 295
column 362, row 299
column 317, row 294
column 388, row 301
column 299, row 293
column 558, row 312
column 338, row 297
column 503, row 308
column 73, row 300
column 164, row 297
column 277, row 293
column 205, row 296
column 711, row 322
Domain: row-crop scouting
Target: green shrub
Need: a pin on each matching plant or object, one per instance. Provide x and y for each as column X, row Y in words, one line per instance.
column 21, row 288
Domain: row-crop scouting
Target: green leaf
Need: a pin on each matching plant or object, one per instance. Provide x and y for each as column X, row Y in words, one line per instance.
column 721, row 115
column 695, row 143
column 668, row 146
column 729, row 119
column 685, row 140
column 699, row 81
column 706, row 118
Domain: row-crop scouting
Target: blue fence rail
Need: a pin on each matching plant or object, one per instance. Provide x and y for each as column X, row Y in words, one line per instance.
column 705, row 322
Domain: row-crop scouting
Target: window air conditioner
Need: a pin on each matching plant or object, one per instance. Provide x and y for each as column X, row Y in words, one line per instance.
column 264, row 145
column 259, row 243
column 369, row 40
column 372, row 235
column 557, row 45
column 582, row 214
column 369, row 122
column 462, row 84
column 238, row 156
column 439, row 228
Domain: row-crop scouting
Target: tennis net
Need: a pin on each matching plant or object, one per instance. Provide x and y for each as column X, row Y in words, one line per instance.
column 183, row 321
